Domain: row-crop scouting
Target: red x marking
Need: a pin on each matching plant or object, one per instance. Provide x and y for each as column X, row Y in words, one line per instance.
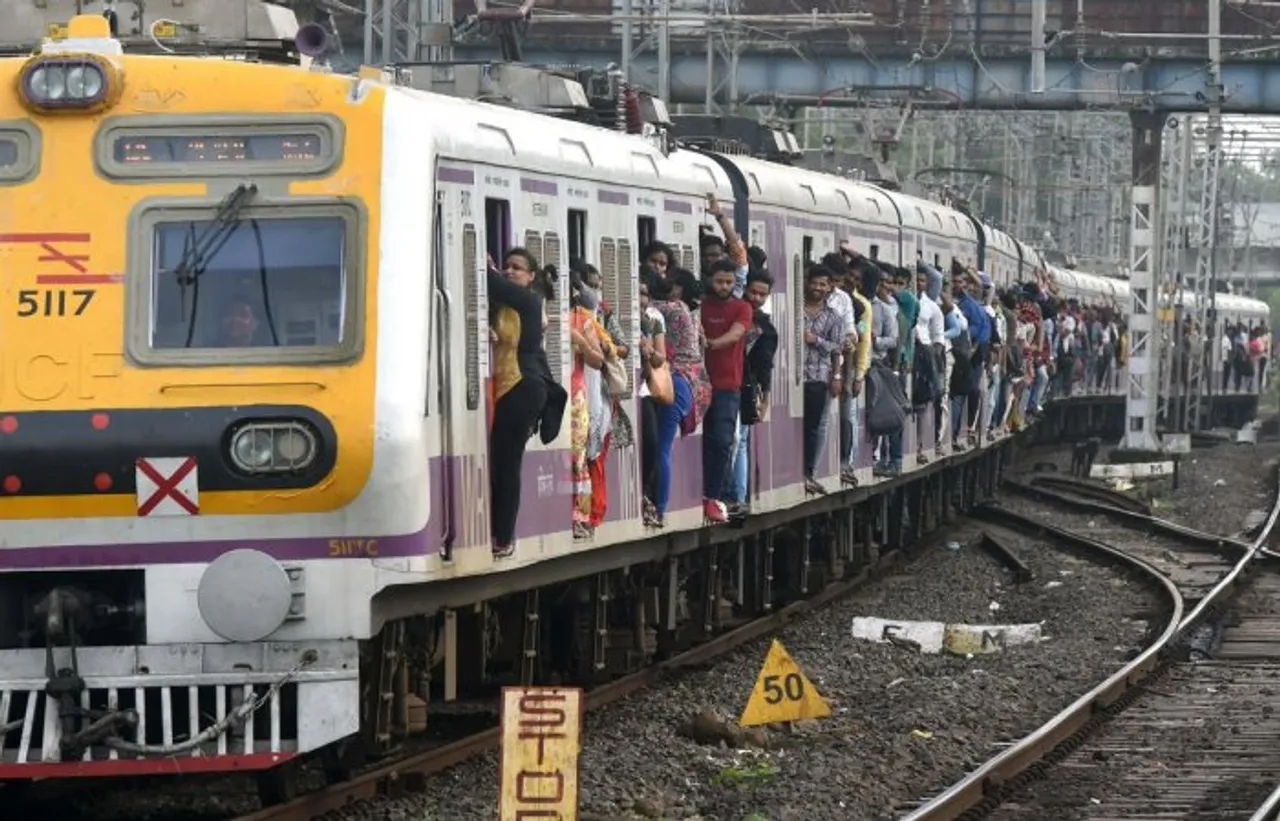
column 167, row 487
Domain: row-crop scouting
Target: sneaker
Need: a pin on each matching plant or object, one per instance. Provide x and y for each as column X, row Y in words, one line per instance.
column 582, row 530
column 713, row 511
column 848, row 477
column 922, row 457
column 504, row 551
column 813, row 487
column 737, row 509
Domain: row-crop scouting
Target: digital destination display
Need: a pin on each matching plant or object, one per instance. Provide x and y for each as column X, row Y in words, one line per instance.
column 142, row 149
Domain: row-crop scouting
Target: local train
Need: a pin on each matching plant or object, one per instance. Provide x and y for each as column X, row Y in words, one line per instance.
column 207, row 547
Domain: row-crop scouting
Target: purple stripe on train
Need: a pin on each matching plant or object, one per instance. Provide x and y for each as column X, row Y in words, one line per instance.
column 544, row 187
column 613, row 197
column 677, row 207
column 460, row 175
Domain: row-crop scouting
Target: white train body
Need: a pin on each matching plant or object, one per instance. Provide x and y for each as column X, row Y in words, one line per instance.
column 456, row 179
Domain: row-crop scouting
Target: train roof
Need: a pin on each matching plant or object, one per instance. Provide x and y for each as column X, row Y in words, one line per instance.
column 505, row 136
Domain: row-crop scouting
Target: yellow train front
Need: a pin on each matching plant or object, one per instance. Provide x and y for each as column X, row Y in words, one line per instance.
column 187, row 409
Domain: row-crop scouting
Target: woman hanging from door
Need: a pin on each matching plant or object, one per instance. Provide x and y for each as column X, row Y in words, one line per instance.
column 526, row 397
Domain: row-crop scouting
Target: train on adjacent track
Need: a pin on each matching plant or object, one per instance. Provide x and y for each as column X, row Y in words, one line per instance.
column 221, row 555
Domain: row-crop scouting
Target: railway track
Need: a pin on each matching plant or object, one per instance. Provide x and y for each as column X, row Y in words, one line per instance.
column 1186, row 730
column 395, row 775
column 1207, row 554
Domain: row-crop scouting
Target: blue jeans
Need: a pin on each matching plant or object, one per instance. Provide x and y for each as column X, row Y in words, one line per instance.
column 957, row 416
column 995, row 394
column 717, row 443
column 891, row 450
column 669, row 417
column 741, row 465
column 849, row 410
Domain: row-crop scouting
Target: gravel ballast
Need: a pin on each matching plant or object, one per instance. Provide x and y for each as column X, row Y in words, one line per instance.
column 1217, row 488
column 903, row 724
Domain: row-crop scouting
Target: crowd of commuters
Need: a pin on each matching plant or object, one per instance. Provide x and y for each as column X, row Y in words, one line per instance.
column 706, row 357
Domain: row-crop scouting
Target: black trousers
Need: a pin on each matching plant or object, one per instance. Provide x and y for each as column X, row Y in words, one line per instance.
column 649, row 448
column 513, row 418
column 816, row 399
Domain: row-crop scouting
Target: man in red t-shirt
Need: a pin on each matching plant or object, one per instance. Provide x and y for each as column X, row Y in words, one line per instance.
column 725, row 321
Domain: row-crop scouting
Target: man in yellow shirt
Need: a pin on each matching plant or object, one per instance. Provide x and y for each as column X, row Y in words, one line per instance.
column 856, row 363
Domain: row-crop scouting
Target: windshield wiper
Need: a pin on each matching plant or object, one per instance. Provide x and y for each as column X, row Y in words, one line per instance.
column 198, row 253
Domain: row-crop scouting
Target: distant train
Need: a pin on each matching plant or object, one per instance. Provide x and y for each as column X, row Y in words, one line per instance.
column 1230, row 309
column 245, row 388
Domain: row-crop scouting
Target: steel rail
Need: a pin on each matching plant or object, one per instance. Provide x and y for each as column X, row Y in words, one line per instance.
column 1151, row 521
column 965, row 795
column 1270, row 809
column 1091, row 492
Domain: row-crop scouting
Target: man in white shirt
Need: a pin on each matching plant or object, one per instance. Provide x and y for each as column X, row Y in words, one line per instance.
column 930, row 335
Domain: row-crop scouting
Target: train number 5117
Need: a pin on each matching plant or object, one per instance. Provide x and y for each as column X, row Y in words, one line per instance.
column 53, row 302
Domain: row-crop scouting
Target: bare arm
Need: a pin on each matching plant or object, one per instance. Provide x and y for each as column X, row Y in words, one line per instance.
column 729, row 337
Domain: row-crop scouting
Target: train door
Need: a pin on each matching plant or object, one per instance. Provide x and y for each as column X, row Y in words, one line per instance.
column 623, row 220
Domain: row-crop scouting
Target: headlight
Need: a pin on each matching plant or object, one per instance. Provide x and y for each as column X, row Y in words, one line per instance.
column 61, row 83
column 273, row 447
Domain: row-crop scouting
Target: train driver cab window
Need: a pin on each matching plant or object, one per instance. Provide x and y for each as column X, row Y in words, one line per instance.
column 270, row 284
column 808, row 250
column 874, row 251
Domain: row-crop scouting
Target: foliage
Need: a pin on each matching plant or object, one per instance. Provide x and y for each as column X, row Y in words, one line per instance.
column 749, row 777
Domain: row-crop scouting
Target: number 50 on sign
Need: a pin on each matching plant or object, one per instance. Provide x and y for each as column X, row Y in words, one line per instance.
column 782, row 693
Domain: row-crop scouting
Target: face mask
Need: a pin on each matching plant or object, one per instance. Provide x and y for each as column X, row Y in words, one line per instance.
column 590, row 298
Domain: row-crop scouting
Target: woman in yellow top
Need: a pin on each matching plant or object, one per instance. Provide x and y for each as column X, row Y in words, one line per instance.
column 521, row 383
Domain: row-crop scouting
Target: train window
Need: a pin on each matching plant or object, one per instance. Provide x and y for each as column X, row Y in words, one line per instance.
column 937, row 261
column 617, row 263
column 646, row 232
column 797, row 306
column 472, row 324
column 18, row 153
column 553, row 338
column 808, row 250
column 533, row 244
column 164, row 146
column 497, row 227
column 874, row 251
column 273, row 284
column 577, row 234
